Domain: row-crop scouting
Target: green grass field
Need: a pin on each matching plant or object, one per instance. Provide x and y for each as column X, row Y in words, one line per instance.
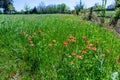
column 56, row 47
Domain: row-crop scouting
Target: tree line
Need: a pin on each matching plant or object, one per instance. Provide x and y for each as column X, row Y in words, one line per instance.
column 49, row 9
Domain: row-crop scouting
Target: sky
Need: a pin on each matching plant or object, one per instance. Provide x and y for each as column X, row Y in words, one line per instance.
column 20, row 4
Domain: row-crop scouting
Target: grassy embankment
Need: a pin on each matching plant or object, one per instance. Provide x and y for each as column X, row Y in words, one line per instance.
column 56, row 47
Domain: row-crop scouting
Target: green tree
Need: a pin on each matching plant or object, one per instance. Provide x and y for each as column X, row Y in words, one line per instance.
column 5, row 4
column 79, row 7
column 63, row 8
column 49, row 9
column 41, row 8
column 60, row 8
column 27, row 8
column 1, row 3
column 117, row 2
column 22, row 11
column 11, row 8
column 34, row 10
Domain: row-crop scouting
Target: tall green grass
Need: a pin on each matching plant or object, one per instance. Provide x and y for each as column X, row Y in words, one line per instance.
column 56, row 47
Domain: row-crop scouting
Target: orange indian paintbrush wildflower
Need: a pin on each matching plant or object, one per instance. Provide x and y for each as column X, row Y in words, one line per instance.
column 83, row 51
column 87, row 47
column 102, row 55
column 72, row 63
column 72, row 39
column 73, row 53
column 94, row 48
column 91, row 45
column 30, row 42
column 79, row 56
column 119, row 62
column 29, row 39
column 32, row 45
column 84, row 37
column 65, row 43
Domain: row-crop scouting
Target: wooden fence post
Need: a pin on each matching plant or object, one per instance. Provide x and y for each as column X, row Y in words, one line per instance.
column 91, row 12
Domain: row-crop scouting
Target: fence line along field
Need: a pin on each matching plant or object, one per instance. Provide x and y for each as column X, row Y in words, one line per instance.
column 56, row 47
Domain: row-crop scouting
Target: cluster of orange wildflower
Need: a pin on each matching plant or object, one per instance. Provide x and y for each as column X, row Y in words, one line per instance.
column 28, row 38
column 94, row 49
column 30, row 42
column 53, row 43
column 72, row 39
column 91, row 46
column 73, row 53
column 83, row 51
column 118, row 63
column 40, row 31
column 78, row 56
column 117, row 58
column 24, row 34
column 84, row 37
column 65, row 43
column 34, row 33
column 102, row 55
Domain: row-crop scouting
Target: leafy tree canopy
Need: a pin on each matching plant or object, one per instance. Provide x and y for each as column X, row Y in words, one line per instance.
column 7, row 5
